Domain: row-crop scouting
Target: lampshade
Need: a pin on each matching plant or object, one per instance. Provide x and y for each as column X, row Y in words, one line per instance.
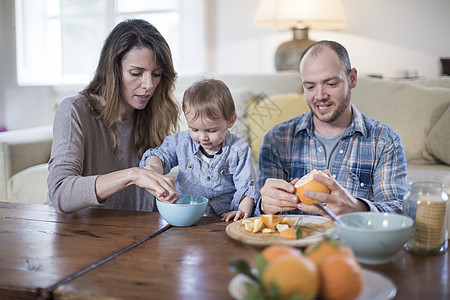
column 314, row 14
column 299, row 16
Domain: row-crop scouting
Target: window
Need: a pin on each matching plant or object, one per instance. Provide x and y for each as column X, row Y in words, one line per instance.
column 58, row 41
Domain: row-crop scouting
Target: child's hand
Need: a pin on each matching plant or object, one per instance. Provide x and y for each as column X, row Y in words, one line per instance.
column 244, row 210
column 235, row 215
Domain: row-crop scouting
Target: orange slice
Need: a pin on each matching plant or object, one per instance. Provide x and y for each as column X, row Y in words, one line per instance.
column 271, row 221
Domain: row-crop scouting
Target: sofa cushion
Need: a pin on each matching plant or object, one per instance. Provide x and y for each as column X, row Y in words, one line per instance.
column 265, row 112
column 241, row 98
column 29, row 185
column 438, row 140
column 443, row 81
column 410, row 109
column 20, row 149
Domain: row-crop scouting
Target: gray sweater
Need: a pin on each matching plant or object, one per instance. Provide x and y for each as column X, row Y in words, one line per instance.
column 82, row 150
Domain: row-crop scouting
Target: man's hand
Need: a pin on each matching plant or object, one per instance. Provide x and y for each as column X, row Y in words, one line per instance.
column 276, row 196
column 340, row 201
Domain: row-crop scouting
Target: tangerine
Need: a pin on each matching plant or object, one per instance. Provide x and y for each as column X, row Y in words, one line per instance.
column 307, row 182
column 319, row 251
column 340, row 278
column 272, row 252
column 293, row 274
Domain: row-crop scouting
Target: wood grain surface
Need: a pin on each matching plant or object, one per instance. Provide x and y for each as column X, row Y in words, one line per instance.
column 181, row 263
column 40, row 247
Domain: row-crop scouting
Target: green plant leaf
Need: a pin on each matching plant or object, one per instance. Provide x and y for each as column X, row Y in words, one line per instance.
column 261, row 265
column 295, row 297
column 274, row 291
column 254, row 291
column 241, row 266
column 309, row 227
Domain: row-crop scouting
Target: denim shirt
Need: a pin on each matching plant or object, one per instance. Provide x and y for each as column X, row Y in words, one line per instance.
column 370, row 161
column 225, row 182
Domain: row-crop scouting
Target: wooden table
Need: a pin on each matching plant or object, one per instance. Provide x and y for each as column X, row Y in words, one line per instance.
column 181, row 263
column 41, row 248
column 88, row 255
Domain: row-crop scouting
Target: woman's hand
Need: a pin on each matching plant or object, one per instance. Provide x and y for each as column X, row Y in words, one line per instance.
column 160, row 186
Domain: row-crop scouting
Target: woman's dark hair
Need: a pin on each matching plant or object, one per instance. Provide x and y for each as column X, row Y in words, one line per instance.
column 160, row 117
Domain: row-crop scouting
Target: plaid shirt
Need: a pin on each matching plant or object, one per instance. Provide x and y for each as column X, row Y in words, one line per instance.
column 370, row 161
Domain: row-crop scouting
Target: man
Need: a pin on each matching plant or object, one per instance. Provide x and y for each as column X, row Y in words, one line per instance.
column 364, row 159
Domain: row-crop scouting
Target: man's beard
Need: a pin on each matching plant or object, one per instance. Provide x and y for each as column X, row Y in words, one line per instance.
column 337, row 113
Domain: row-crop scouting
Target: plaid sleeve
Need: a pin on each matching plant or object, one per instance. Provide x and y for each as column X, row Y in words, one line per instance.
column 390, row 175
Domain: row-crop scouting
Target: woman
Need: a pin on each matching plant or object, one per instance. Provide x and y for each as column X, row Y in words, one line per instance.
column 101, row 133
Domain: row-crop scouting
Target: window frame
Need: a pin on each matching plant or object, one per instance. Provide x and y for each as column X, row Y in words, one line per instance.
column 188, row 51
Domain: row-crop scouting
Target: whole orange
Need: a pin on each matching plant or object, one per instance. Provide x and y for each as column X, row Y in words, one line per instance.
column 307, row 182
column 319, row 251
column 272, row 252
column 340, row 278
column 293, row 274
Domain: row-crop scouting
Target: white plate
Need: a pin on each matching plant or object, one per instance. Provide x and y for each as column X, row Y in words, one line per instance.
column 375, row 287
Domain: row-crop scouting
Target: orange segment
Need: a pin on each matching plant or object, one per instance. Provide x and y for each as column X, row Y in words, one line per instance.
column 268, row 230
column 282, row 227
column 257, row 225
column 249, row 226
column 289, row 233
column 270, row 221
column 287, row 221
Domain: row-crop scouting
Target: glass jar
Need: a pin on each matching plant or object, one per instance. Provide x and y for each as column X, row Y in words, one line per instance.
column 425, row 203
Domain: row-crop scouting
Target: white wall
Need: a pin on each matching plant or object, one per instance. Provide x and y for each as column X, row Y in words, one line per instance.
column 382, row 37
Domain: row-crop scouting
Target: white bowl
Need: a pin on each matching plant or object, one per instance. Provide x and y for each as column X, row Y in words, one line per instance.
column 374, row 237
column 185, row 212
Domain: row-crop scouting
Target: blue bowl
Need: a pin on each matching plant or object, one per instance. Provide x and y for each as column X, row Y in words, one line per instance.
column 185, row 212
column 374, row 237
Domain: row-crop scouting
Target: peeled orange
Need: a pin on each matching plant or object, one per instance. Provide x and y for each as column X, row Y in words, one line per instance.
column 307, row 182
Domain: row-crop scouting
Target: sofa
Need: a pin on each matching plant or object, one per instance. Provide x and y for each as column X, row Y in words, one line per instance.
column 418, row 110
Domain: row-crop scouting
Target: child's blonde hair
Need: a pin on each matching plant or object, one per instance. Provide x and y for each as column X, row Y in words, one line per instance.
column 210, row 98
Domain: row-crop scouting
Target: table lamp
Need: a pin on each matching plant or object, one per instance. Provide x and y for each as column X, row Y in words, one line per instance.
column 299, row 16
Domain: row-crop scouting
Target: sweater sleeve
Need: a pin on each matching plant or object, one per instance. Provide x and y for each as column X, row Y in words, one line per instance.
column 68, row 190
